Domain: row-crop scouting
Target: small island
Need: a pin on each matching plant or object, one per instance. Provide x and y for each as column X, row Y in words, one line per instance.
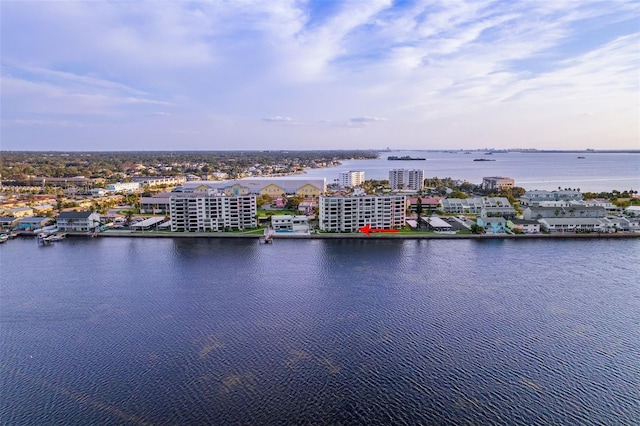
column 405, row 158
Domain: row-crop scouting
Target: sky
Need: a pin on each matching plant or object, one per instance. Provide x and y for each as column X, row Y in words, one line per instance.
column 296, row 75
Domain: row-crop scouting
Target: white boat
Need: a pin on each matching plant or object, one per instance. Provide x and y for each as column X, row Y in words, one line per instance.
column 3, row 238
column 57, row 237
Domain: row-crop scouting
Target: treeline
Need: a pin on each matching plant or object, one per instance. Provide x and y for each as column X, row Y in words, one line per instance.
column 16, row 165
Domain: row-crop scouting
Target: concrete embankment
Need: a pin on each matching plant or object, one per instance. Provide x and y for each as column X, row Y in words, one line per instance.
column 151, row 234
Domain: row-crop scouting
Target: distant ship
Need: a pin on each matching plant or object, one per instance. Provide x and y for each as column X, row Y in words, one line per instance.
column 483, row 159
column 405, row 158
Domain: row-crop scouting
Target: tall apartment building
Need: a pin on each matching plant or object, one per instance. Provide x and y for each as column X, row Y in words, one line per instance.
column 351, row 178
column 406, row 179
column 348, row 213
column 201, row 212
column 497, row 183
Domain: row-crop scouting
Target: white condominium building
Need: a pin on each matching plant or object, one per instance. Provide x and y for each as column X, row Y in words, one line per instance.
column 351, row 178
column 348, row 213
column 400, row 179
column 201, row 212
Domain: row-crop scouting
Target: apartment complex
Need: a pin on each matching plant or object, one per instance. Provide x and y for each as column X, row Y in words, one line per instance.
column 400, row 179
column 351, row 178
column 165, row 181
column 274, row 187
column 497, row 183
column 201, row 212
column 348, row 213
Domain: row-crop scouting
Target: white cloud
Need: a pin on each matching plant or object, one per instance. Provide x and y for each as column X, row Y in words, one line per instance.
column 278, row 118
column 420, row 66
column 366, row 119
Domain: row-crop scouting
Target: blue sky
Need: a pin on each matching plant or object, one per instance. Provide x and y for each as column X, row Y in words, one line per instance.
column 124, row 75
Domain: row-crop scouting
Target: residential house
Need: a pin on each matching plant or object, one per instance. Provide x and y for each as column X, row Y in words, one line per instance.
column 77, row 221
column 493, row 225
column 289, row 223
column 32, row 223
column 524, row 226
column 8, row 222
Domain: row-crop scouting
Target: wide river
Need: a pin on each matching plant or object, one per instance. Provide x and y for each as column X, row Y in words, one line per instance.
column 137, row 331
column 596, row 172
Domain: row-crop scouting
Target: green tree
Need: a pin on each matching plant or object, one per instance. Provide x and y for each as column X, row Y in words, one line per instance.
column 419, row 209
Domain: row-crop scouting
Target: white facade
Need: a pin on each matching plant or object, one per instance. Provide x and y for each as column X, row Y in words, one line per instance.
column 351, row 178
column 297, row 224
column 77, row 221
column 123, row 187
column 160, row 180
column 348, row 213
column 196, row 212
column 400, row 179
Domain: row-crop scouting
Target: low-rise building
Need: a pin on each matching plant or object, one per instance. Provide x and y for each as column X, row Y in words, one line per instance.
column 289, row 223
column 493, row 225
column 77, row 221
column 123, row 187
column 20, row 212
column 474, row 205
column 497, row 183
column 154, row 181
column 429, row 204
column 524, row 226
column 349, row 213
column 8, row 222
column 572, row 224
column 273, row 187
column 202, row 212
column 159, row 203
column 33, row 223
column 533, row 198
column 534, row 213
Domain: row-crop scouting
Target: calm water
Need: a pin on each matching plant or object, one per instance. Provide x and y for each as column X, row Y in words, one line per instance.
column 596, row 172
column 176, row 331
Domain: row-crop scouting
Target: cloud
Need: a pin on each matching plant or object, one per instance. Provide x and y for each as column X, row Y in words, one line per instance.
column 420, row 65
column 278, row 118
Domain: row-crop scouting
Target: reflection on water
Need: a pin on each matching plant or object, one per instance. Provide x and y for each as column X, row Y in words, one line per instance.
column 184, row 331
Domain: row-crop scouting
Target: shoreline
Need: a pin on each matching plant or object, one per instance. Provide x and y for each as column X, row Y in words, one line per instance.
column 353, row 236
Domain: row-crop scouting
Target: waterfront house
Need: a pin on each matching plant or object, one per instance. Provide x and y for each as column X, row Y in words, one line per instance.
column 571, row 224
column 288, row 223
column 33, row 223
column 77, row 221
column 8, row 222
column 524, row 226
column 493, row 225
